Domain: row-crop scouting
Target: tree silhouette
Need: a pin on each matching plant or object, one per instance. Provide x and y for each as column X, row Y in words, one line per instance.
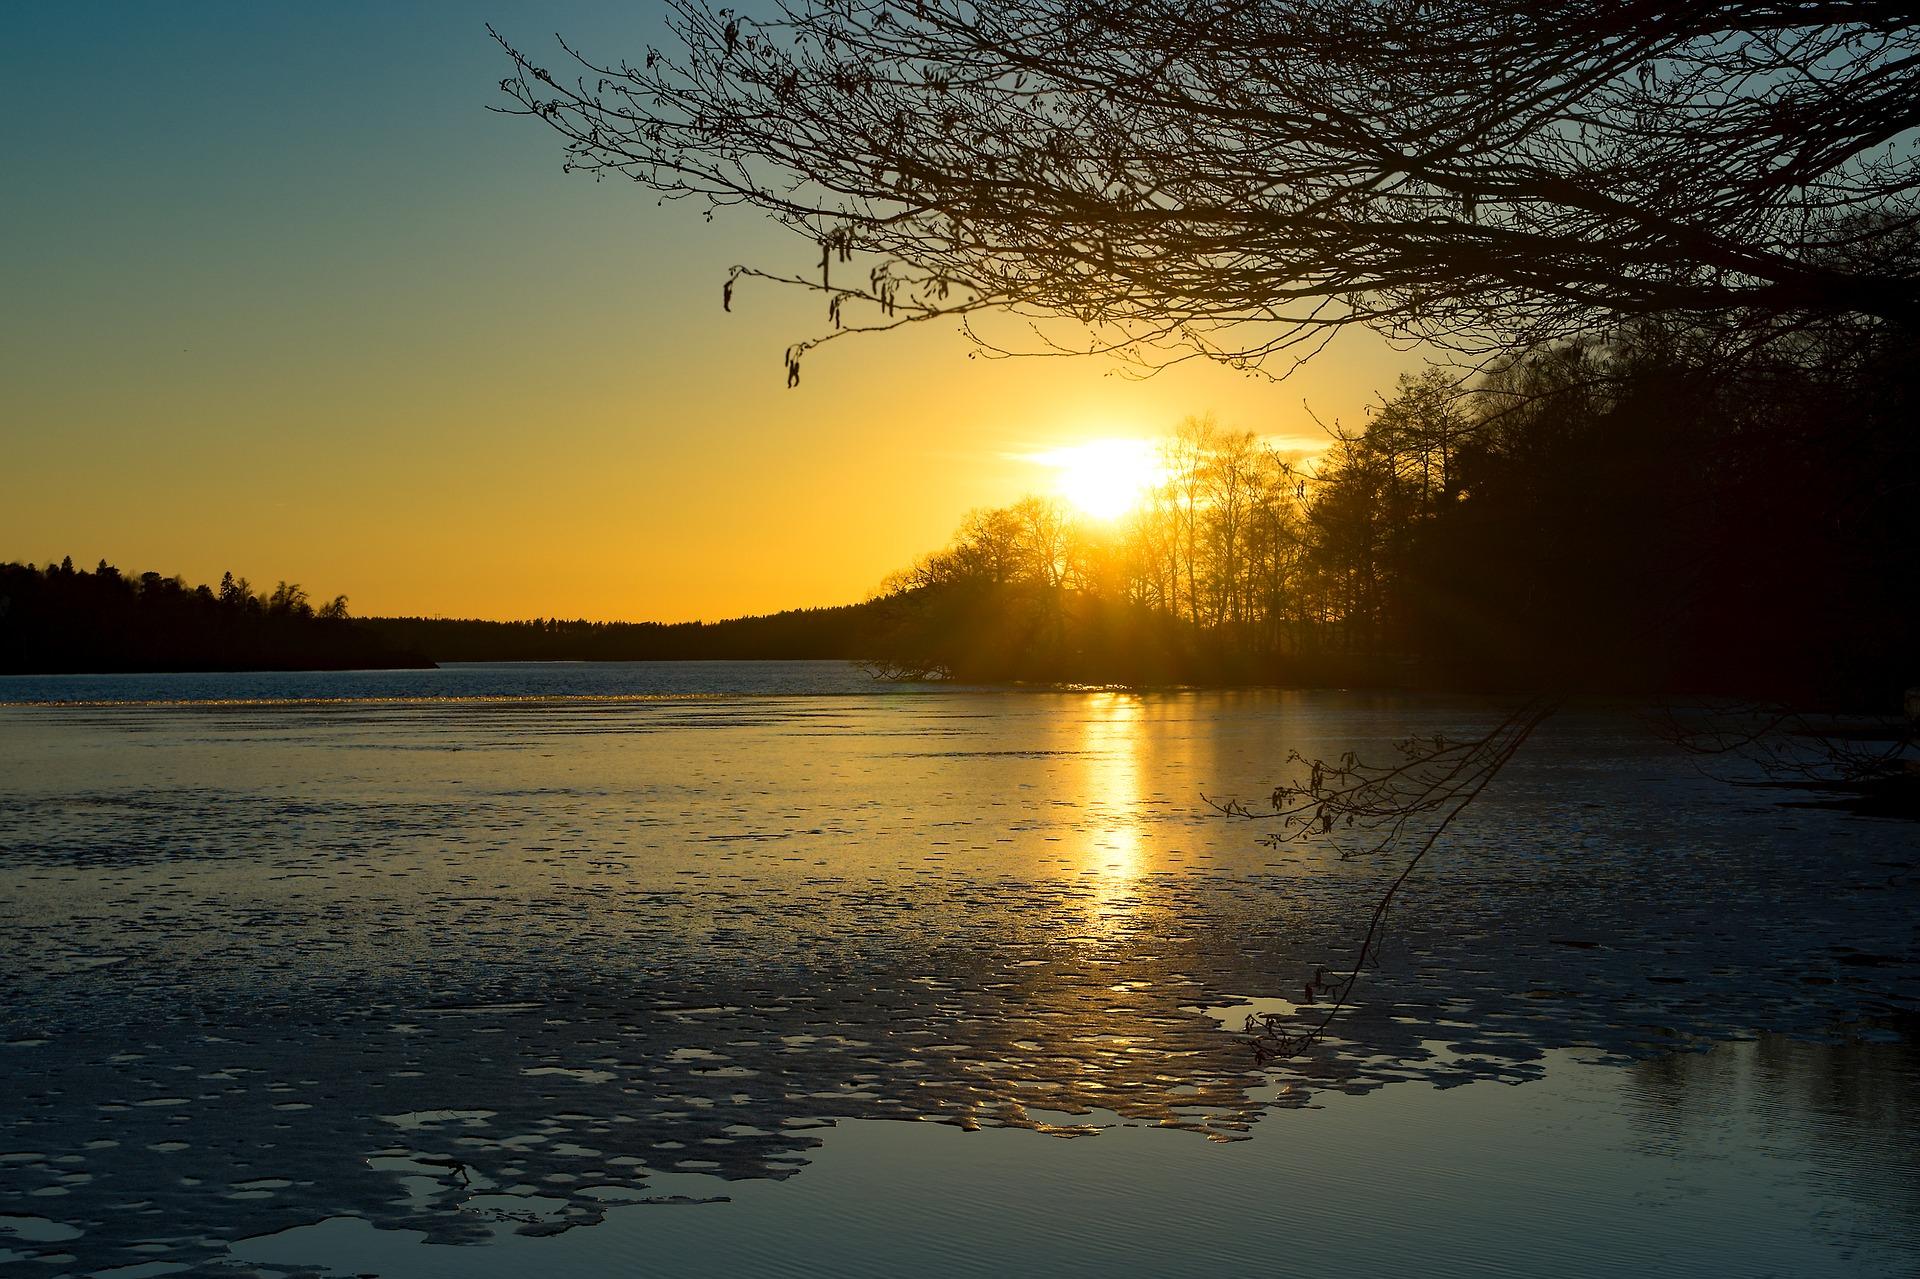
column 56, row 620
column 1240, row 179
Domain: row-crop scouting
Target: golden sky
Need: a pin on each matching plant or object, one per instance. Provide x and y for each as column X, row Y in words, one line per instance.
column 279, row 296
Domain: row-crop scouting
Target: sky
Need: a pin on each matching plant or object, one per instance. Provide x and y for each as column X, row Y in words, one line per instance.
column 280, row 296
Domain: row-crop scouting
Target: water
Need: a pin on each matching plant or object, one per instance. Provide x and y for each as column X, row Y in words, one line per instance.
column 456, row 680
column 442, row 972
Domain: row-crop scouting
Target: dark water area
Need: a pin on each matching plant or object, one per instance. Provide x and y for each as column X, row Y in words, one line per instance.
column 566, row 969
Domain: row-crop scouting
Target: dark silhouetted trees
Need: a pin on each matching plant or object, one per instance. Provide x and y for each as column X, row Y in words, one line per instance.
column 843, row 633
column 1625, row 516
column 58, row 619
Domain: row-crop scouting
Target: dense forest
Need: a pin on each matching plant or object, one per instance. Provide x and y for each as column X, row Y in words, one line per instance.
column 61, row 619
column 846, row 632
column 1623, row 516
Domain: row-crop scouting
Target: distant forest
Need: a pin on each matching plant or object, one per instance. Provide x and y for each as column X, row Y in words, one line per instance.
column 847, row 632
column 1623, row 516
column 61, row 619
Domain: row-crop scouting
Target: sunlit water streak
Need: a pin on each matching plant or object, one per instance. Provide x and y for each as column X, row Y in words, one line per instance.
column 496, row 963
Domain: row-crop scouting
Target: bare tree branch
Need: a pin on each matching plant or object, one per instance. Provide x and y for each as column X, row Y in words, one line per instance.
column 1236, row 179
column 1407, row 804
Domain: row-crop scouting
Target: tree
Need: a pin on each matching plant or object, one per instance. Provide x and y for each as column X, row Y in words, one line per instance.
column 58, row 621
column 1233, row 478
column 1183, row 460
column 1045, row 530
column 289, row 600
column 1239, row 179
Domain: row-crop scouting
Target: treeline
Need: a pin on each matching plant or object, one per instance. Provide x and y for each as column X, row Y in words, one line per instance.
column 845, row 632
column 59, row 619
column 1619, row 516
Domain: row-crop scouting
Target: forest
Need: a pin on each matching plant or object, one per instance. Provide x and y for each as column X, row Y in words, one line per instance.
column 1620, row 516
column 60, row 619
column 798, row 634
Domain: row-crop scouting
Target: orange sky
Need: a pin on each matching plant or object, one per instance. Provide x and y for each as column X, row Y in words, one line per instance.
column 380, row 346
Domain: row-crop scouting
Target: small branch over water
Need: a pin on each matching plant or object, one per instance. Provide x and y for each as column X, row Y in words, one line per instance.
column 1364, row 809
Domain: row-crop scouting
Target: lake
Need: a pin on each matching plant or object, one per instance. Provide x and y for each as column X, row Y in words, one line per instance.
column 721, row 968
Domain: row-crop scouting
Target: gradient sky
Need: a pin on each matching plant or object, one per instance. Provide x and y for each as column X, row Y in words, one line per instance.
column 279, row 295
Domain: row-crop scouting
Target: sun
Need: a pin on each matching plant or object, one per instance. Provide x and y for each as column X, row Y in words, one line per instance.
column 1104, row 478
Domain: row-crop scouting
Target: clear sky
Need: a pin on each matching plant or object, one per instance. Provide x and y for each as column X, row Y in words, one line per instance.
column 279, row 295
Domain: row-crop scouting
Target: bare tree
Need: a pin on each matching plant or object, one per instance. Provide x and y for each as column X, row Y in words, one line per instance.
column 1184, row 458
column 1046, row 531
column 1240, row 179
column 1232, row 479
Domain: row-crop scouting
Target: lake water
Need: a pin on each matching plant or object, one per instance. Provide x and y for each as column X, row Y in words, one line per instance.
column 578, row 970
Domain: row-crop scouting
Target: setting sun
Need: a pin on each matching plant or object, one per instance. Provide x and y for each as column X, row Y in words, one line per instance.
column 1104, row 478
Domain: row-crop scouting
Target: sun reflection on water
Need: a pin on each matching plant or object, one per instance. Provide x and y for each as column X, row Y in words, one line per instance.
column 1115, row 852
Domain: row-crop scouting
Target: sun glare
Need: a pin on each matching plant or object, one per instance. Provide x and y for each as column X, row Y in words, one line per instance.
column 1104, row 478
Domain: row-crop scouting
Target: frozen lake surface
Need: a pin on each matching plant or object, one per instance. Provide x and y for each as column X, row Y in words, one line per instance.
column 575, row 970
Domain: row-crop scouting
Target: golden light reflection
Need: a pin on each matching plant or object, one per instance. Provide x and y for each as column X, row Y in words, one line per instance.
column 1111, row 747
